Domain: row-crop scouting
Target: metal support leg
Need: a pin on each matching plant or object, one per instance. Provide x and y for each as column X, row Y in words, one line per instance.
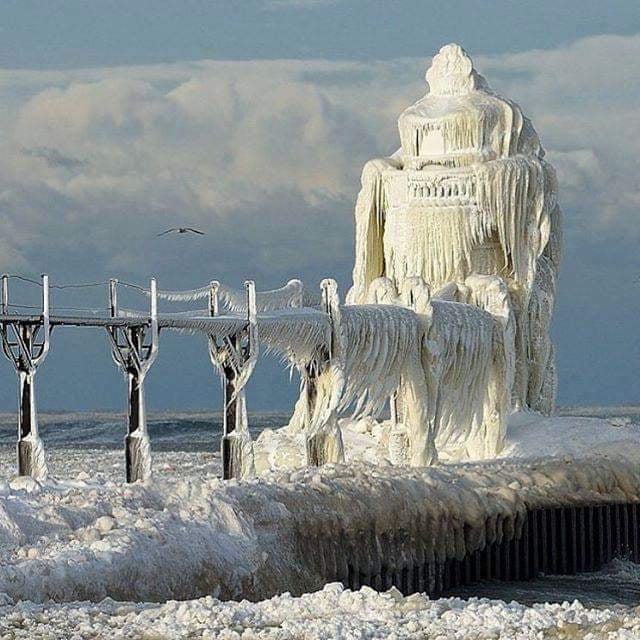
column 231, row 461
column 235, row 358
column 26, row 344
column 323, row 436
column 135, row 357
column 310, row 394
column 137, row 443
column 31, row 457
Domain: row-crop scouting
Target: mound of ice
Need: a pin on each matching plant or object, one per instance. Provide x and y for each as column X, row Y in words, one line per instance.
column 529, row 436
column 330, row 613
column 78, row 539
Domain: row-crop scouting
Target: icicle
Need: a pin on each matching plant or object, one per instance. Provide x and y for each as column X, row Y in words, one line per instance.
column 288, row 296
column 370, row 220
column 323, row 437
column 467, row 378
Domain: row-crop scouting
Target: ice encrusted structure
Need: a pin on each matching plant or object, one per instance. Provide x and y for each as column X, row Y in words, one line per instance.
column 446, row 360
column 468, row 194
column 466, row 361
column 457, row 252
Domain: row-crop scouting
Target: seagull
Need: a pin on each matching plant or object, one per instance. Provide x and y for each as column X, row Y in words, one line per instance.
column 181, row 230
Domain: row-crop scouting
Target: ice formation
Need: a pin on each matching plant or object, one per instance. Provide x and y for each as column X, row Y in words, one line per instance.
column 187, row 535
column 457, row 251
column 468, row 193
column 445, row 364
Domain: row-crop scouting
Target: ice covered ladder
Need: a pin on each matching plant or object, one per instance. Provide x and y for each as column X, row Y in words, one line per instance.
column 134, row 357
column 25, row 343
column 234, row 357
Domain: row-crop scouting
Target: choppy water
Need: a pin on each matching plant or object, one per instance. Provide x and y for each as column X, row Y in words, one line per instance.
column 168, row 432
column 617, row 584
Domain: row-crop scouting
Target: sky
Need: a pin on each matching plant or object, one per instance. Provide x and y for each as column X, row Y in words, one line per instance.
column 252, row 121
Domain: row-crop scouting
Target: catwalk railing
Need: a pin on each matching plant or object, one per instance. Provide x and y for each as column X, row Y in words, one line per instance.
column 233, row 342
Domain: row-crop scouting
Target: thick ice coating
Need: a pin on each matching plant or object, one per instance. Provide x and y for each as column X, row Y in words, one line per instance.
column 184, row 536
column 468, row 193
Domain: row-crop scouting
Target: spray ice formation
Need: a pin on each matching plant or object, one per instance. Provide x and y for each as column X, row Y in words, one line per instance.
column 457, row 251
column 468, row 194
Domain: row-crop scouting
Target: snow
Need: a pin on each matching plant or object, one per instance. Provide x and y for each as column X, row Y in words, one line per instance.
column 84, row 536
column 333, row 612
column 531, row 435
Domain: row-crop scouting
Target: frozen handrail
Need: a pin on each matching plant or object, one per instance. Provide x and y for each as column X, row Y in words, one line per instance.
column 301, row 333
column 73, row 285
column 172, row 296
column 290, row 295
column 285, row 297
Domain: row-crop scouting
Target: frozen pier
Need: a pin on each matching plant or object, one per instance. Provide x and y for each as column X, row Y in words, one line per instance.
column 435, row 530
column 233, row 344
column 428, row 529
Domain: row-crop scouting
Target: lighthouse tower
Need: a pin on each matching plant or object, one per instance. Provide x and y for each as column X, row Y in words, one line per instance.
column 468, row 193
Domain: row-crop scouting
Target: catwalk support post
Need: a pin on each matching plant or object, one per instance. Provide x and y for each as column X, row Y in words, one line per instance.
column 323, row 436
column 134, row 348
column 25, row 343
column 235, row 357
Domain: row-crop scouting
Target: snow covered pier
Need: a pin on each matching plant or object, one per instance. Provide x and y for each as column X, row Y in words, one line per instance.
column 434, row 530
column 427, row 529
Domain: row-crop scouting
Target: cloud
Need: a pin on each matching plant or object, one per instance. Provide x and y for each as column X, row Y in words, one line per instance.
column 266, row 155
column 582, row 101
column 249, row 155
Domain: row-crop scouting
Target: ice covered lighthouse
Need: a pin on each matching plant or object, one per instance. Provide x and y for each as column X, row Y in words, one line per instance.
column 457, row 249
column 467, row 194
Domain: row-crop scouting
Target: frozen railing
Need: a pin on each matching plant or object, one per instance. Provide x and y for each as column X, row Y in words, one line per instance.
column 350, row 358
column 234, row 322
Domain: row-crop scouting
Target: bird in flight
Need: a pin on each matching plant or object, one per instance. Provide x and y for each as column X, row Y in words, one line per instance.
column 181, row 230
